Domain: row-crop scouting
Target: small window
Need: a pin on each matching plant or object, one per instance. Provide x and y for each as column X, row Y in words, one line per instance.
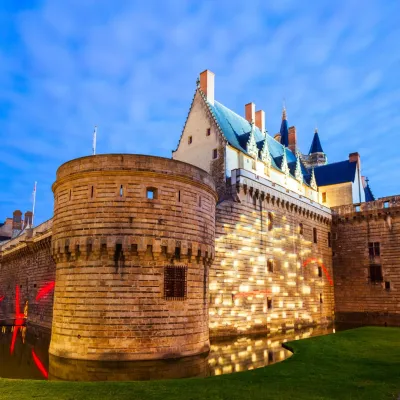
column 215, row 154
column 315, row 235
column 270, row 265
column 375, row 273
column 386, row 204
column 175, row 283
column 329, row 239
column 92, row 192
column 190, row 140
column 70, row 194
column 321, row 299
column 121, row 191
column 301, row 229
column 208, row 132
column 358, row 208
column 324, row 197
column 387, row 285
column 179, row 195
column 374, row 249
column 269, row 303
column 270, row 221
column 320, row 272
column 151, row 193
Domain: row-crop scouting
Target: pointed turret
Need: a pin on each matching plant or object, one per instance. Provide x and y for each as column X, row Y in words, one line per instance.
column 284, row 132
column 368, row 192
column 298, row 173
column 316, row 155
column 316, row 144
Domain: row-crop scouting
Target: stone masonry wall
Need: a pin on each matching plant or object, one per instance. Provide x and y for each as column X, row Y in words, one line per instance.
column 261, row 224
column 26, row 266
column 112, row 245
column 358, row 298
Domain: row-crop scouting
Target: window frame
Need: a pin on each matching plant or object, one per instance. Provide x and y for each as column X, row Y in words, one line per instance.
column 174, row 277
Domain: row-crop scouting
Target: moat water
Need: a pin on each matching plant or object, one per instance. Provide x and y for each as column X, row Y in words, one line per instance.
column 24, row 355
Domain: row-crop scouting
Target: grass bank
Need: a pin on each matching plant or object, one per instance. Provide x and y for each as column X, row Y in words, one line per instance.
column 363, row 363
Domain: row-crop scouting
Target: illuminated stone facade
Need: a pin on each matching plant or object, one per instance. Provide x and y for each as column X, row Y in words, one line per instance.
column 366, row 262
column 268, row 274
column 133, row 238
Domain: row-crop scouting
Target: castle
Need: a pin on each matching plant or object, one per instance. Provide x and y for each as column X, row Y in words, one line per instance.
column 238, row 233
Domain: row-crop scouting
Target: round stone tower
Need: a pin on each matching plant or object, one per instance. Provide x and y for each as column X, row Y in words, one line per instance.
column 133, row 239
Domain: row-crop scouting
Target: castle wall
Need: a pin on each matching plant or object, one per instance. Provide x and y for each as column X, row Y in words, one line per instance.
column 26, row 263
column 245, row 296
column 359, row 296
column 115, row 249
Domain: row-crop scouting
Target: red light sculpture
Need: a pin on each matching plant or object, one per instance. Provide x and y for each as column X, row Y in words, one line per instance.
column 44, row 290
column 39, row 364
column 310, row 260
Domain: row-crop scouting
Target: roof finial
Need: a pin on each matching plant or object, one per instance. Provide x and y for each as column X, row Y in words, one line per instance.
column 367, row 180
column 316, row 129
column 284, row 110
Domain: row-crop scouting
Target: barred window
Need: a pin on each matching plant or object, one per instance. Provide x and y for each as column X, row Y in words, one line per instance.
column 375, row 273
column 175, row 282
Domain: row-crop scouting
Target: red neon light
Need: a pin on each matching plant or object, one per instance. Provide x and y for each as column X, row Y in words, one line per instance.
column 310, row 260
column 246, row 294
column 44, row 290
column 2, row 298
column 39, row 364
column 19, row 319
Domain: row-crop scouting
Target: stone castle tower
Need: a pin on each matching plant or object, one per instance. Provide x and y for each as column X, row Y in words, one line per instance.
column 133, row 239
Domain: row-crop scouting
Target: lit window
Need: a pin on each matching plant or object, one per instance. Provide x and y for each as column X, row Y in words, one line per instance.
column 215, row 154
column 175, row 282
column 190, row 140
column 324, row 197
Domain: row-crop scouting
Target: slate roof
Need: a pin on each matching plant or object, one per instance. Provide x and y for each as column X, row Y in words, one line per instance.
column 368, row 194
column 332, row 174
column 316, row 144
column 284, row 131
column 237, row 130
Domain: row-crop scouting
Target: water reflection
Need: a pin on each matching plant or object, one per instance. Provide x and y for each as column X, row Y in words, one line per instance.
column 30, row 359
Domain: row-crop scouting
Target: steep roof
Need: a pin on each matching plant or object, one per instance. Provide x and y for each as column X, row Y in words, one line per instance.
column 368, row 193
column 284, row 131
column 332, row 174
column 236, row 130
column 316, row 144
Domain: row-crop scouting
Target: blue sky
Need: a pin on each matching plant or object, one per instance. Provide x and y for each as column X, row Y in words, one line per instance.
column 131, row 67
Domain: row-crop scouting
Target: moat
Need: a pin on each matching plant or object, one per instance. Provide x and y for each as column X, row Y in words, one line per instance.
column 24, row 355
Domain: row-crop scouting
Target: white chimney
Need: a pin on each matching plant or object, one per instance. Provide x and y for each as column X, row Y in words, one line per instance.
column 207, row 85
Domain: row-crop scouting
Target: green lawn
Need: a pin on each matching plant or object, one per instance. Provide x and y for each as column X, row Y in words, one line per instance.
column 362, row 363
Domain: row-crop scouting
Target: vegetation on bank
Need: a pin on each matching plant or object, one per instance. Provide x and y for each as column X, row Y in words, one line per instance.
column 362, row 363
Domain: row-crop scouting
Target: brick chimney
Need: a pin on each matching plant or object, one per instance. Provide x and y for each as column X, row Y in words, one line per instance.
column 260, row 120
column 17, row 220
column 355, row 157
column 292, row 139
column 28, row 219
column 250, row 112
column 207, row 85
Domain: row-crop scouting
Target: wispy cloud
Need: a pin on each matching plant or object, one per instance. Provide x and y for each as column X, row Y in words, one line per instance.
column 131, row 67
